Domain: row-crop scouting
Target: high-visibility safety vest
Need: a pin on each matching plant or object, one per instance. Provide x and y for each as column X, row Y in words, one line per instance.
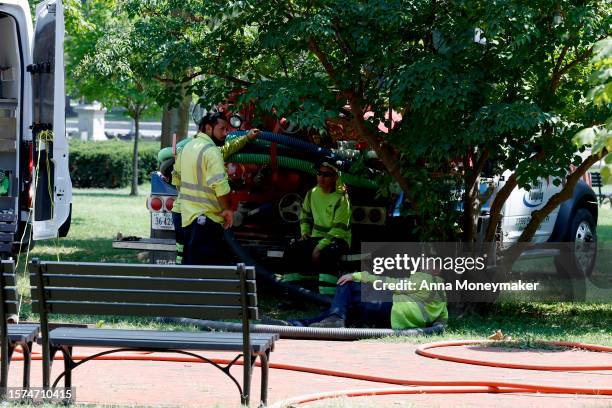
column 326, row 215
column 202, row 178
column 413, row 308
column 229, row 148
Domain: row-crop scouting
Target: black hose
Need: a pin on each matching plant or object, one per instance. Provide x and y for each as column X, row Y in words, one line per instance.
column 312, row 333
column 268, row 277
column 288, row 141
column 166, row 167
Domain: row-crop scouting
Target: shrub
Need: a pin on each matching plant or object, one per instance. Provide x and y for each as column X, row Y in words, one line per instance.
column 108, row 164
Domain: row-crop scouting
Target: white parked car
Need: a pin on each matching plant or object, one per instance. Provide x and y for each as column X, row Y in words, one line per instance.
column 568, row 233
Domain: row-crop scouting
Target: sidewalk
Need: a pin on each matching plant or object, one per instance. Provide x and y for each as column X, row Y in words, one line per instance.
column 152, row 383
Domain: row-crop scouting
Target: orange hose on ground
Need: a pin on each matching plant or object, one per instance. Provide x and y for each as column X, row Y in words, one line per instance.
column 361, row 377
column 455, row 386
column 366, row 392
column 423, row 351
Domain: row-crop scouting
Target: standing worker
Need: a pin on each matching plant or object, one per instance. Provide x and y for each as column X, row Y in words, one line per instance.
column 228, row 148
column 204, row 193
column 325, row 225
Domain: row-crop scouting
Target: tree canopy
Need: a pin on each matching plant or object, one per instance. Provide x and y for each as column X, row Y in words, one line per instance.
column 479, row 85
column 111, row 72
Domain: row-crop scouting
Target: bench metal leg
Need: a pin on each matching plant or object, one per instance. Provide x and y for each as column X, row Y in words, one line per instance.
column 48, row 356
column 263, row 358
column 27, row 363
column 7, row 352
column 246, row 384
column 68, row 366
column 4, row 369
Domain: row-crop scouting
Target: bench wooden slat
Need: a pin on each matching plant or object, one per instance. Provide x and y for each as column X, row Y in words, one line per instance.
column 11, row 306
column 596, row 180
column 101, row 338
column 10, row 294
column 141, row 309
column 143, row 283
column 89, row 332
column 9, row 279
column 159, row 339
column 146, row 296
column 22, row 333
column 154, row 271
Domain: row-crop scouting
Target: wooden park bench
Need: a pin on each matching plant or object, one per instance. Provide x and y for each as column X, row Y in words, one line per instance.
column 597, row 182
column 200, row 292
column 13, row 335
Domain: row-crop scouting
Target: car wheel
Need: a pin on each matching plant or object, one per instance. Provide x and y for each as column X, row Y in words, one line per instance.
column 584, row 236
column 578, row 256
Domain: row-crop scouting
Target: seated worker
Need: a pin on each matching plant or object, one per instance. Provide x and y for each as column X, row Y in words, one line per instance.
column 325, row 225
column 409, row 309
column 227, row 149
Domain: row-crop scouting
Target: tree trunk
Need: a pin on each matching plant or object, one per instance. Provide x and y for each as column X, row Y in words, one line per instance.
column 134, row 190
column 182, row 125
column 382, row 151
column 176, row 120
column 468, row 216
column 472, row 200
column 512, row 254
column 565, row 194
column 166, row 135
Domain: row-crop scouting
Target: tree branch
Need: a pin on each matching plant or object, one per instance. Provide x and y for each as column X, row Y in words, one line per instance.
column 498, row 203
column 383, row 150
column 560, row 61
column 565, row 194
column 346, row 48
column 314, row 47
column 580, row 58
column 471, row 195
column 191, row 76
column 283, row 63
column 558, row 73
column 500, row 199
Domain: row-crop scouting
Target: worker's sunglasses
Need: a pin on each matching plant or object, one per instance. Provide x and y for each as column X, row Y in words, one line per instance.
column 325, row 174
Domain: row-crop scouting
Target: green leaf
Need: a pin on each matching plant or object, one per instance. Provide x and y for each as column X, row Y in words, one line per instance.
column 585, row 137
column 606, row 174
column 603, row 139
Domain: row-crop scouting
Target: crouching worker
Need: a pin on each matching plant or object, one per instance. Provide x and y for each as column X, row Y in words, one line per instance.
column 409, row 309
column 325, row 225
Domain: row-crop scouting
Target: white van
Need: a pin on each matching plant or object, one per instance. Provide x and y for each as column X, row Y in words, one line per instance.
column 33, row 143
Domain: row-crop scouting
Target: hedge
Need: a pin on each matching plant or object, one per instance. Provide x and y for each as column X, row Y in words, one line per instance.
column 108, row 164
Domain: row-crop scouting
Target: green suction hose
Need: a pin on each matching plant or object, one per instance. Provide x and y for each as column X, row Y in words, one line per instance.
column 300, row 165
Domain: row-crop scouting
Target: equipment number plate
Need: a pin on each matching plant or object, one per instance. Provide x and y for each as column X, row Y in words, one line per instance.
column 162, row 221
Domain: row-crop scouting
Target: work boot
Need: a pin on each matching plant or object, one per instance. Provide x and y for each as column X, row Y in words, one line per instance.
column 333, row 321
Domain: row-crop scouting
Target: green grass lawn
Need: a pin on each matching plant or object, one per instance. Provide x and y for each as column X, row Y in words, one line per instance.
column 604, row 224
column 98, row 215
